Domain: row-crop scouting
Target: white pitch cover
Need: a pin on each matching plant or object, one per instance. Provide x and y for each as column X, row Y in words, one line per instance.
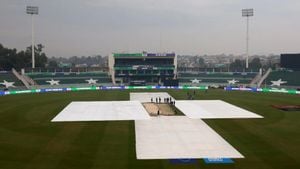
column 102, row 111
column 212, row 109
column 177, row 137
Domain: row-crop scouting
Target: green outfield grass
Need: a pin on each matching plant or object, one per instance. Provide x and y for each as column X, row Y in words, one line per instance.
column 28, row 140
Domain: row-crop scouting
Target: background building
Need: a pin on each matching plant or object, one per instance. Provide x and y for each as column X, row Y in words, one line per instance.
column 290, row 61
column 142, row 68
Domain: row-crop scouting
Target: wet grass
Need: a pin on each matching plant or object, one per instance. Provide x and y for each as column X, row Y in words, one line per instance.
column 29, row 140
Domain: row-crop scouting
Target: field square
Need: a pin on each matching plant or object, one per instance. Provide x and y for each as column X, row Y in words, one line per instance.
column 179, row 137
column 146, row 97
column 212, row 109
column 102, row 111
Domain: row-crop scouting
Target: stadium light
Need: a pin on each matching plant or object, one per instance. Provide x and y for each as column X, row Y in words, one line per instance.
column 32, row 10
column 247, row 13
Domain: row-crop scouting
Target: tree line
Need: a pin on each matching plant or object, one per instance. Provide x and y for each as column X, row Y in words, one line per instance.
column 237, row 64
column 11, row 58
column 88, row 61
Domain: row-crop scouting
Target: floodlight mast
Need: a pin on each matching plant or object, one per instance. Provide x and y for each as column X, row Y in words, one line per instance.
column 247, row 13
column 32, row 10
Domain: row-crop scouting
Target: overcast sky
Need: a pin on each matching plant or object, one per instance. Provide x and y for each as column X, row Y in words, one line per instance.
column 90, row 27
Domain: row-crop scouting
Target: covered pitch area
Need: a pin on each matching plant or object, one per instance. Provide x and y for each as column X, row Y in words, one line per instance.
column 102, row 111
column 164, row 137
column 179, row 137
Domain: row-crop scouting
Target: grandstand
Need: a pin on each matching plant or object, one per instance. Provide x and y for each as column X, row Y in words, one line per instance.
column 142, row 68
column 10, row 77
column 70, row 78
column 220, row 78
column 292, row 77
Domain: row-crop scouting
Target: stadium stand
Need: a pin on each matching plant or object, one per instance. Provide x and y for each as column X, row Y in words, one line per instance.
column 216, row 77
column 69, row 77
column 292, row 77
column 10, row 77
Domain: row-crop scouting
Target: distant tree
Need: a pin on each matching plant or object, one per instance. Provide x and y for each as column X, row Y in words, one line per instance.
column 255, row 64
column 23, row 60
column 237, row 65
column 52, row 64
column 40, row 56
column 10, row 58
column 201, row 62
column 88, row 60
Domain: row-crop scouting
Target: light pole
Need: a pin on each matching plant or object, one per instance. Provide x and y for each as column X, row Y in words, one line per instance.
column 32, row 10
column 247, row 13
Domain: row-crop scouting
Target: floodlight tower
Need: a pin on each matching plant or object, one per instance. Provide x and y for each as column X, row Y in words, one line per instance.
column 247, row 13
column 32, row 10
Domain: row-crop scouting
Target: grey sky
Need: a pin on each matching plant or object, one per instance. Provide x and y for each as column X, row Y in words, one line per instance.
column 89, row 27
